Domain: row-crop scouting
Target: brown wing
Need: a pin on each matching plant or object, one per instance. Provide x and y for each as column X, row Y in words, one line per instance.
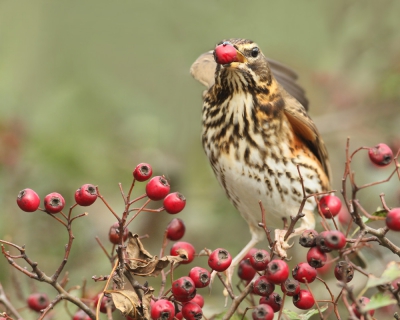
column 305, row 128
column 203, row 70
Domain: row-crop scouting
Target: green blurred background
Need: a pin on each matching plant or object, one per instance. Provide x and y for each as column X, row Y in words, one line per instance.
column 88, row 89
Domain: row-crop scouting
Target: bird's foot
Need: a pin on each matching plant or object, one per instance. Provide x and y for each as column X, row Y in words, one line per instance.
column 227, row 282
column 281, row 245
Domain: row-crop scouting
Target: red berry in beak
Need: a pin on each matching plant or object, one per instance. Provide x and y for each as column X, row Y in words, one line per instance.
column 225, row 53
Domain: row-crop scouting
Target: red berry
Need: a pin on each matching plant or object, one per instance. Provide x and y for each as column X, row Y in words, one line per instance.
column 105, row 301
column 179, row 315
column 219, row 260
column 54, row 202
column 162, row 310
column 263, row 312
column 393, row 219
column 344, row 271
column 277, row 271
column 250, row 253
column 185, row 250
column 198, row 298
column 86, row 195
column 245, row 270
column 176, row 229
column 291, row 287
column 303, row 272
column 308, row 238
column 263, row 287
column 260, row 259
column 28, row 200
column 225, row 53
column 344, row 216
column 200, row 277
column 335, row 240
column 38, row 301
column 363, row 301
column 327, row 267
column 113, row 234
column 316, row 258
column 304, row 300
column 274, row 300
column 142, row 172
column 157, row 188
column 192, row 311
column 183, row 289
column 174, row 202
column 81, row 315
column 330, row 206
column 320, row 242
column 381, row 155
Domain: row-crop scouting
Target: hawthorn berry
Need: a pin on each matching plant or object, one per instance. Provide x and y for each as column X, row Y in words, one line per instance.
column 81, row 315
column 308, row 238
column 291, row 287
column 335, row 240
column 113, row 234
column 381, row 155
column 54, row 202
column 327, row 267
column 393, row 219
column 183, row 289
column 344, row 271
column 363, row 301
column 179, row 315
column 174, row 202
column 38, row 301
column 225, row 53
column 200, row 277
column 192, row 311
column 263, row 312
column 277, row 271
column 330, row 206
column 320, row 242
column 86, row 195
column 245, row 270
column 250, row 253
column 259, row 259
column 344, row 216
column 219, row 260
column 263, row 287
column 28, row 200
column 105, row 301
column 316, row 258
column 274, row 300
column 198, row 298
column 157, row 188
column 142, row 172
column 185, row 250
column 303, row 300
column 162, row 310
column 303, row 272
column 175, row 229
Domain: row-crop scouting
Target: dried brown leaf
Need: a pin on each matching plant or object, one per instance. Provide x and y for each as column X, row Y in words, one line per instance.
column 128, row 302
column 141, row 263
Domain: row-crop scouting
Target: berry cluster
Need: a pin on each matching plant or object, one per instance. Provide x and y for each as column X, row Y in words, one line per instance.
column 270, row 285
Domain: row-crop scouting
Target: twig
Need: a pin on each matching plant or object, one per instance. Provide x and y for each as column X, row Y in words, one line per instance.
column 237, row 300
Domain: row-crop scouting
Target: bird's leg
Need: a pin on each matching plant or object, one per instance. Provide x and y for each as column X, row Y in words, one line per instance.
column 255, row 238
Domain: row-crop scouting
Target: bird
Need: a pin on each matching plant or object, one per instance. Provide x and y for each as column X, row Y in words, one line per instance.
column 258, row 136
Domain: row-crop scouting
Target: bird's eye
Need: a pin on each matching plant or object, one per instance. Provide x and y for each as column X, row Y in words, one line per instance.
column 254, row 52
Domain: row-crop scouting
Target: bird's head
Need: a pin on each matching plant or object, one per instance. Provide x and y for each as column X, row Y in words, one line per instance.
column 242, row 59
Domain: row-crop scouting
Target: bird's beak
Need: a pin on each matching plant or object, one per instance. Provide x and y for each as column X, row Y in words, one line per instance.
column 240, row 57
